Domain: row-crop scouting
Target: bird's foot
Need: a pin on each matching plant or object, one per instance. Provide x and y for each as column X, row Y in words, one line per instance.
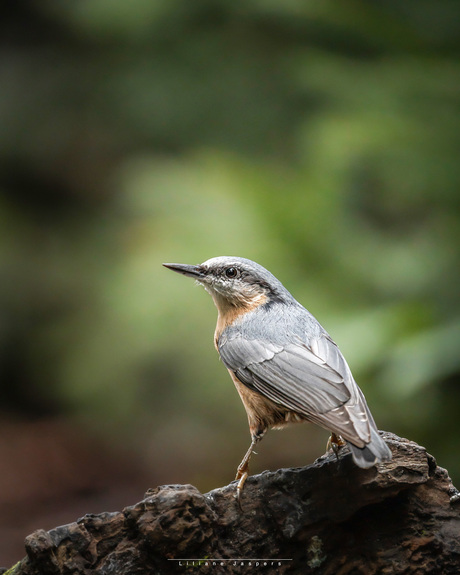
column 241, row 476
column 242, row 470
column 239, row 488
column 335, row 442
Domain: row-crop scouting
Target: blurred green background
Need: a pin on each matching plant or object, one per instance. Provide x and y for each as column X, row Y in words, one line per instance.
column 321, row 139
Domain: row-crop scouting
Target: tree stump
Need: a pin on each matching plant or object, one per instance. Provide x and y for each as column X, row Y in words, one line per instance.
column 328, row 518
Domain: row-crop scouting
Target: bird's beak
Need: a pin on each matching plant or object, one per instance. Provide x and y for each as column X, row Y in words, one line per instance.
column 187, row 270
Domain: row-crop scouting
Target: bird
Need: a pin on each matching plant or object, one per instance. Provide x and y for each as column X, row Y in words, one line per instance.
column 285, row 366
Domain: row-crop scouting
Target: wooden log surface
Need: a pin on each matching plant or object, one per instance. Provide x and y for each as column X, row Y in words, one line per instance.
column 328, row 518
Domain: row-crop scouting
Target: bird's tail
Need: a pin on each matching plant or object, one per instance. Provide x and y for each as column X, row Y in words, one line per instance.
column 374, row 452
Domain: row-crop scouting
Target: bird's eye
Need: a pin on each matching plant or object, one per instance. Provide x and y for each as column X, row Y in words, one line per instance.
column 231, row 272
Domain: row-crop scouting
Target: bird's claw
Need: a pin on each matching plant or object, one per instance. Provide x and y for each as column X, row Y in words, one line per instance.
column 241, row 476
column 335, row 442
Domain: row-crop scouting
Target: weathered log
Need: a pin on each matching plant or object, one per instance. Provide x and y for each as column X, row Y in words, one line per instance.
column 329, row 518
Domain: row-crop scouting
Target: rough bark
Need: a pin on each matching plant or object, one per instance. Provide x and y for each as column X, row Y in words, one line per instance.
column 328, row 518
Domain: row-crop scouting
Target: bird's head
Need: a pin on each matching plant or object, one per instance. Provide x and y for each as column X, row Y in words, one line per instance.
column 235, row 282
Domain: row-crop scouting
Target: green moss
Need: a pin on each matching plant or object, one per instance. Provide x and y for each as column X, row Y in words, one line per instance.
column 315, row 551
column 13, row 570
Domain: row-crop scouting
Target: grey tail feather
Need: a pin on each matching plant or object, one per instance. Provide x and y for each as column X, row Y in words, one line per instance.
column 374, row 452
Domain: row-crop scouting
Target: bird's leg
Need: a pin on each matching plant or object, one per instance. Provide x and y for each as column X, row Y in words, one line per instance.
column 335, row 442
column 242, row 471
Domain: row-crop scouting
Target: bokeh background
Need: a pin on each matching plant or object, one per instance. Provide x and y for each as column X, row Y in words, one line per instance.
column 321, row 139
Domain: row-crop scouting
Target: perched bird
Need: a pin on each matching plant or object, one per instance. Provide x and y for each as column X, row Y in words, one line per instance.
column 285, row 366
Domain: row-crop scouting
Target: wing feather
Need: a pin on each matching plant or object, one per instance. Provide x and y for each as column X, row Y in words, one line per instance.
column 313, row 380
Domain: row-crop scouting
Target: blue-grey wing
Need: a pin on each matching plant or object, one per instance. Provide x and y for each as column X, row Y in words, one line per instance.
column 313, row 380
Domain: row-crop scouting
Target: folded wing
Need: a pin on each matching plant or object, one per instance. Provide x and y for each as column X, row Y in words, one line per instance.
column 313, row 380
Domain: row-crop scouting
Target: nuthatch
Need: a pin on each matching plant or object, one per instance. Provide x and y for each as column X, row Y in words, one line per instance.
column 285, row 366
